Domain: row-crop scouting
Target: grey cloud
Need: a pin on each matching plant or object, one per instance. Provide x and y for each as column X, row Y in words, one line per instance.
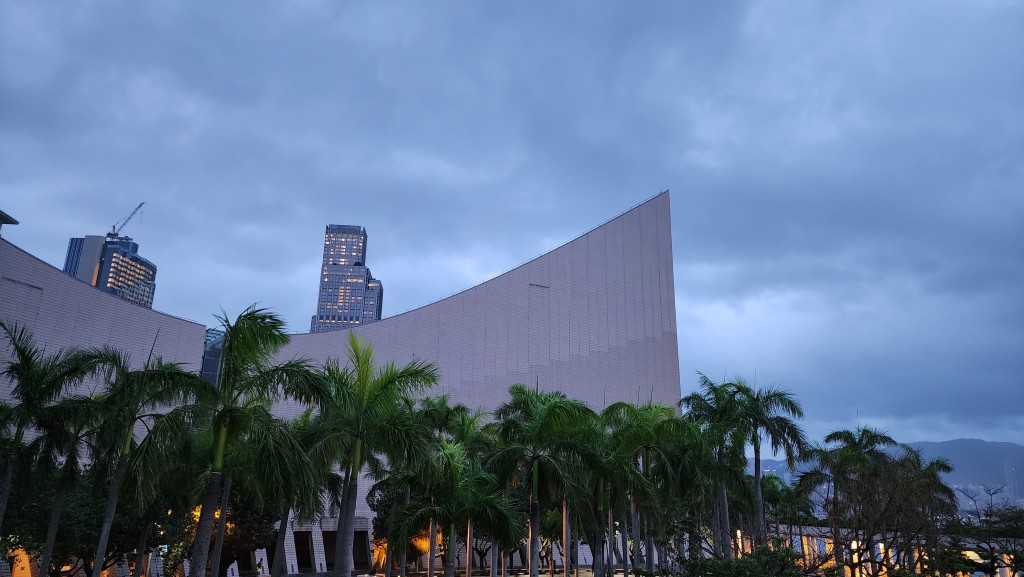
column 846, row 178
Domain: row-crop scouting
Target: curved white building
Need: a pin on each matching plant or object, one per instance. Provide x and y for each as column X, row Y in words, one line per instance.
column 594, row 318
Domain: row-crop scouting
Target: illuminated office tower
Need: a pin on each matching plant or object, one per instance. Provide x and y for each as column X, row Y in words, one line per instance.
column 349, row 295
column 112, row 264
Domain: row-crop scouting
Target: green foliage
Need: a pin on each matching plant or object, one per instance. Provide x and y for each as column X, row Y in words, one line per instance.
column 763, row 562
column 76, row 538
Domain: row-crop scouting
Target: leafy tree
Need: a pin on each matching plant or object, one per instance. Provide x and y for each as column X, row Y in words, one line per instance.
column 541, row 442
column 364, row 416
column 131, row 398
column 235, row 410
column 839, row 469
column 461, row 491
column 38, row 379
column 63, row 428
column 717, row 410
column 768, row 414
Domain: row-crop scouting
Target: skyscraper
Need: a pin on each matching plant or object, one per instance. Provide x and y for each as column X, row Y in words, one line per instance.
column 112, row 264
column 349, row 295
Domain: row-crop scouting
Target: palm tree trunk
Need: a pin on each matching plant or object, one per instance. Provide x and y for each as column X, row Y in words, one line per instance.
column 346, row 525
column 648, row 545
column 140, row 549
column 535, row 523
column 634, row 513
column 108, row 514
column 760, row 535
column 469, row 548
column 389, row 549
column 222, row 523
column 723, row 524
column 495, row 554
column 624, row 537
column 5, row 487
column 51, row 530
column 610, row 568
column 403, row 561
column 204, row 529
column 716, row 529
column 449, row 560
column 277, row 569
column 342, row 508
column 433, row 548
column 597, row 543
column 566, row 538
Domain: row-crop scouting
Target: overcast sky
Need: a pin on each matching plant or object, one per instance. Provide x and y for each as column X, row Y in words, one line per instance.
column 847, row 177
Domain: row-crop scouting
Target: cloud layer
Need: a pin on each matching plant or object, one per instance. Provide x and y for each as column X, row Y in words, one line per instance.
column 846, row 178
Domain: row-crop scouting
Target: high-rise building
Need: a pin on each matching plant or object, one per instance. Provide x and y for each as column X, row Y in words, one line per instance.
column 349, row 295
column 112, row 264
column 83, row 258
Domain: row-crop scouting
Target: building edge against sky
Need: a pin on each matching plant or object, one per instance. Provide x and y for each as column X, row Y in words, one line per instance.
column 593, row 318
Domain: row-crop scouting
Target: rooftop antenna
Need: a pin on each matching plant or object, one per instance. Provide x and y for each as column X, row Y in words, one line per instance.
column 115, row 230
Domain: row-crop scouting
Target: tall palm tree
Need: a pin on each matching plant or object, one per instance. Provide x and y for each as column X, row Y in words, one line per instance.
column 768, row 415
column 38, row 380
column 365, row 416
column 132, row 397
column 235, row 408
column 642, row 436
column 542, row 437
column 716, row 409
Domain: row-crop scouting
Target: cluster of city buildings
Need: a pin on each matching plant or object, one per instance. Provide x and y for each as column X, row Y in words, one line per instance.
column 349, row 295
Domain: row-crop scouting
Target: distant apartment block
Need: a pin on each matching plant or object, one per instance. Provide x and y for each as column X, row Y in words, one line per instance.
column 349, row 295
column 112, row 264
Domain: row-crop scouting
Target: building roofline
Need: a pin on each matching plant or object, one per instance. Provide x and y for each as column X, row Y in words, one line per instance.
column 76, row 279
column 520, row 265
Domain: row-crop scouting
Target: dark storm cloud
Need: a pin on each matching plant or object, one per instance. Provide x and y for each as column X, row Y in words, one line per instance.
column 846, row 178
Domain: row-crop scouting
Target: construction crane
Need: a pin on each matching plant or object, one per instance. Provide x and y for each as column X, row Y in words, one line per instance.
column 116, row 229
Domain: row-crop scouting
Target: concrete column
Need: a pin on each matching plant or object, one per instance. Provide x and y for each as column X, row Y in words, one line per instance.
column 261, row 561
column 319, row 555
column 156, row 565
column 291, row 560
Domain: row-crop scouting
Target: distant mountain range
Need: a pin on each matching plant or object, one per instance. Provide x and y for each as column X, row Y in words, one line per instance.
column 975, row 463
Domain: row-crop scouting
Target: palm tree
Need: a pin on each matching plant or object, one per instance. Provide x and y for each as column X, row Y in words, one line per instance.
column 717, row 411
column 234, row 409
column 364, row 416
column 542, row 436
column 641, row 437
column 63, row 429
column 839, row 468
column 132, row 396
column 460, row 492
column 38, row 380
column 767, row 415
column 280, row 469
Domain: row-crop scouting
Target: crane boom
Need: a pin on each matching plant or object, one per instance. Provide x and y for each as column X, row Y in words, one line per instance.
column 116, row 229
